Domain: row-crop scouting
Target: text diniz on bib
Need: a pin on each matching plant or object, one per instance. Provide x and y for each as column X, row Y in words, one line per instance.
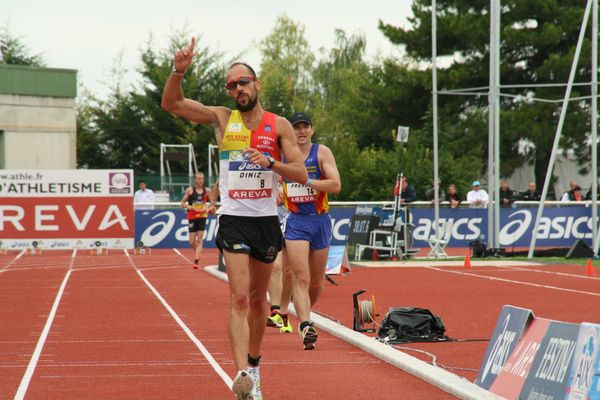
column 247, row 180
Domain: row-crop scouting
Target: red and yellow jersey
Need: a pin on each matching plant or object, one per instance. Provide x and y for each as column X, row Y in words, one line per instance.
column 199, row 204
column 302, row 199
column 248, row 189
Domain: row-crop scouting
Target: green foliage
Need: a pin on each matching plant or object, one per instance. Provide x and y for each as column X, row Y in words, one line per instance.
column 286, row 67
column 14, row 51
column 127, row 128
column 538, row 39
column 357, row 104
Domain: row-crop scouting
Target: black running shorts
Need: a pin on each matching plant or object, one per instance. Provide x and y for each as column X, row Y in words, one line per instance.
column 197, row 225
column 260, row 237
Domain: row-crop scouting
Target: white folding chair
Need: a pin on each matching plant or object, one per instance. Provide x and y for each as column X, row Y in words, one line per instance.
column 438, row 245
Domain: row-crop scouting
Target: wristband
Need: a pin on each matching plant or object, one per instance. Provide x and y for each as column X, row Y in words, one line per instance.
column 177, row 73
column 309, row 182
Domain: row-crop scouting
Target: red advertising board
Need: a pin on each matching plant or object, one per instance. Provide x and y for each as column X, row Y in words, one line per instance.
column 59, row 209
column 512, row 377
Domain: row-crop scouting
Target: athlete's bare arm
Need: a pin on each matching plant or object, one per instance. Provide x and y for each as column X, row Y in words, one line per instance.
column 186, row 196
column 174, row 102
column 293, row 169
column 215, row 193
column 331, row 184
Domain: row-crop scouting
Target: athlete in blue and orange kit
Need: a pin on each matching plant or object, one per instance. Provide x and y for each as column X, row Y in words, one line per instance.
column 251, row 142
column 307, row 229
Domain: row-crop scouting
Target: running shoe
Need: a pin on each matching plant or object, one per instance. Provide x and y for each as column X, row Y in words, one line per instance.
column 275, row 321
column 309, row 337
column 255, row 375
column 286, row 328
column 243, row 386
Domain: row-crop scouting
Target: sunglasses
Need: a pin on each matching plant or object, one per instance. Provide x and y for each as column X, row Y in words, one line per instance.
column 243, row 81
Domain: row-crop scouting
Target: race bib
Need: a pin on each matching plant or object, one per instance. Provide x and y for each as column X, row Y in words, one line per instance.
column 249, row 181
column 198, row 206
column 299, row 193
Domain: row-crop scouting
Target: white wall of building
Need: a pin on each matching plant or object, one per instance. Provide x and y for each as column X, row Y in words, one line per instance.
column 37, row 132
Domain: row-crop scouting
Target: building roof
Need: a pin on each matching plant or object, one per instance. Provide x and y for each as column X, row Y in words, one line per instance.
column 26, row 80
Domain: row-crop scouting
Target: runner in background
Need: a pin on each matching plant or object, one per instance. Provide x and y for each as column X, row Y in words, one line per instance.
column 196, row 201
column 251, row 142
column 308, row 226
column 275, row 285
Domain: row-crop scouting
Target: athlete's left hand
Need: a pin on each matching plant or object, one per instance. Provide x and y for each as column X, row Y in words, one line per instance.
column 256, row 157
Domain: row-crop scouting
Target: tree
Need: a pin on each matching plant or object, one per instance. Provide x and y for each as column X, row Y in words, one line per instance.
column 538, row 41
column 128, row 127
column 14, row 51
column 286, row 68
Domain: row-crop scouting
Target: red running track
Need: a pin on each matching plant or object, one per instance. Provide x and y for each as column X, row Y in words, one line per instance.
column 469, row 301
column 111, row 336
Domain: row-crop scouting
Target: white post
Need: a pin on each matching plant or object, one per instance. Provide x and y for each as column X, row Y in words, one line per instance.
column 435, row 118
column 162, row 165
column 190, row 165
column 594, row 123
column 561, row 121
column 492, row 98
column 496, row 94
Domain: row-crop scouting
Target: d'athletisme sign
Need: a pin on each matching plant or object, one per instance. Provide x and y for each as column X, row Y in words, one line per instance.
column 62, row 209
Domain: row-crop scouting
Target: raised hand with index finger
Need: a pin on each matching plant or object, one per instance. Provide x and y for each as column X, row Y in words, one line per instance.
column 183, row 58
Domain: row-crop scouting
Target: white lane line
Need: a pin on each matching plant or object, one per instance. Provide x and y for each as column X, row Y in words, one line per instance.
column 493, row 278
column 596, row 278
column 14, row 260
column 44, row 335
column 213, row 363
column 182, row 256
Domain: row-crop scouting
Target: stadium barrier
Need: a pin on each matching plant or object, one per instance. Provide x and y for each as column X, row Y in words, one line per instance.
column 561, row 225
column 537, row 358
column 66, row 209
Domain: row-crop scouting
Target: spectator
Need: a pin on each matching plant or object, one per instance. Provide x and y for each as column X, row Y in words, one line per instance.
column 588, row 196
column 577, row 194
column 430, row 193
column 453, row 196
column 570, row 194
column 477, row 197
column 408, row 193
column 531, row 194
column 144, row 197
column 506, row 195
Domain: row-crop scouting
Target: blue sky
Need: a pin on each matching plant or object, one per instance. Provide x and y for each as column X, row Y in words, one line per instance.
column 90, row 35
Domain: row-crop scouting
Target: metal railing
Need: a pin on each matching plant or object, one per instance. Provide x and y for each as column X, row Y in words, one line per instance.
column 414, row 204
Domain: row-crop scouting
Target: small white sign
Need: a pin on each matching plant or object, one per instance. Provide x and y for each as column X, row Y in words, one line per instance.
column 402, row 135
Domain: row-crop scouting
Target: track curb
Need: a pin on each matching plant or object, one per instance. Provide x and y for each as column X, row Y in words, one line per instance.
column 441, row 378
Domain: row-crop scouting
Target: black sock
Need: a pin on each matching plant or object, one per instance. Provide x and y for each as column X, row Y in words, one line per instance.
column 275, row 309
column 305, row 324
column 253, row 362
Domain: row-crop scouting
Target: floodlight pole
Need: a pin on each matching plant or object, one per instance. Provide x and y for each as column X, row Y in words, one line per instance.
column 497, row 129
column 493, row 98
column 436, row 184
column 561, row 121
column 594, row 130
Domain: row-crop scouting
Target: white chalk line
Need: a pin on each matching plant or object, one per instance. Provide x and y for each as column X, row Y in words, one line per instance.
column 596, row 278
column 214, row 364
column 14, row 260
column 24, row 385
column 494, row 278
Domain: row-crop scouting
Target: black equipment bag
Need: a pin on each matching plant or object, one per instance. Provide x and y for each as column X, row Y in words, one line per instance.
column 411, row 324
